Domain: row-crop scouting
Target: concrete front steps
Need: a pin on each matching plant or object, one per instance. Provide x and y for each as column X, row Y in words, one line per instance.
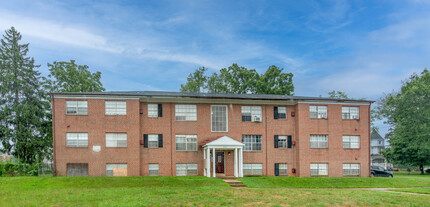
column 234, row 183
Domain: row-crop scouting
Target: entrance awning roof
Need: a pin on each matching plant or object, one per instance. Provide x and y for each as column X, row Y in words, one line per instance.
column 224, row 141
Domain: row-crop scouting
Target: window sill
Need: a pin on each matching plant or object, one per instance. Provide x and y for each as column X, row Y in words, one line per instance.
column 76, row 114
column 318, row 118
column 77, row 147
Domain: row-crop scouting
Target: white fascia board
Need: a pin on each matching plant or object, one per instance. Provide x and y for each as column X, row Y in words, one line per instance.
column 96, row 97
column 335, row 102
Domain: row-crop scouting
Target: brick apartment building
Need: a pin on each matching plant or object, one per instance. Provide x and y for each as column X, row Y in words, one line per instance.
column 170, row 134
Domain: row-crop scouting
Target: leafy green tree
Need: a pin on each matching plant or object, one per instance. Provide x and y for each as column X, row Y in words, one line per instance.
column 408, row 113
column 24, row 119
column 240, row 80
column 196, row 81
column 273, row 81
column 70, row 77
column 338, row 95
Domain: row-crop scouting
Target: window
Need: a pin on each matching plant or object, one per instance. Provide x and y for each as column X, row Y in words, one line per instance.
column 152, row 140
column 319, row 141
column 115, row 107
column 185, row 112
column 116, row 140
column 186, row 142
column 351, row 169
column 280, row 112
column 351, row 142
column 116, row 169
column 281, row 169
column 219, row 117
column 282, row 142
column 153, row 169
column 252, row 142
column 186, row 169
column 252, row 169
column 155, row 110
column 379, row 142
column 77, row 107
column 319, row 169
column 77, row 169
column 318, row 112
column 77, row 139
column 349, row 112
column 251, row 111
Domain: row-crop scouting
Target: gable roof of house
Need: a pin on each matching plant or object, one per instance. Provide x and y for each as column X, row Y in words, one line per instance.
column 374, row 135
column 158, row 94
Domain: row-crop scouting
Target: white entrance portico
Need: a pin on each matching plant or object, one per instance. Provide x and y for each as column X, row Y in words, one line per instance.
column 223, row 143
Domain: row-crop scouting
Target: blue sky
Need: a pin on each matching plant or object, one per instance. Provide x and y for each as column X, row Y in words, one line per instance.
column 364, row 48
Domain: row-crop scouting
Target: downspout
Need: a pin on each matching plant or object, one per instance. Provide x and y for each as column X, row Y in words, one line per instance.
column 369, row 138
column 267, row 138
column 171, row 139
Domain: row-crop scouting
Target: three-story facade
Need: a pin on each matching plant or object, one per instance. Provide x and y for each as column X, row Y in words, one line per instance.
column 171, row 133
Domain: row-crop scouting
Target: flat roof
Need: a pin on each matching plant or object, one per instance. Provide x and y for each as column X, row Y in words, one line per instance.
column 152, row 94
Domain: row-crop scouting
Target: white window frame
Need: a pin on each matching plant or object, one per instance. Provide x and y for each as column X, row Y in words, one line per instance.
column 80, row 139
column 351, row 169
column 153, row 140
column 117, row 138
column 282, row 141
column 226, row 118
column 321, row 111
column 187, row 138
column 115, row 107
column 283, row 108
column 111, row 166
column 77, row 106
column 351, row 142
column 189, row 111
column 253, row 111
column 151, row 111
column 251, row 139
column 283, row 167
column 153, row 169
column 318, row 141
column 252, row 169
column 321, row 169
column 350, row 112
column 187, row 169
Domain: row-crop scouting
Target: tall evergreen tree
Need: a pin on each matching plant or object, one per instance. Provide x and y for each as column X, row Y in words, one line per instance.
column 24, row 120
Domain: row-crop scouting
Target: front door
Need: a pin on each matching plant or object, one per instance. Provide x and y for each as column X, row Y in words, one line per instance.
column 219, row 162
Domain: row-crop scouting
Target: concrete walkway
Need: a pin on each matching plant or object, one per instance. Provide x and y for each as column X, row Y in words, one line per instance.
column 235, row 183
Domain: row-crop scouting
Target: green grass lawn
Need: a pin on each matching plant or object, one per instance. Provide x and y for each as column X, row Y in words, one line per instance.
column 184, row 191
column 400, row 180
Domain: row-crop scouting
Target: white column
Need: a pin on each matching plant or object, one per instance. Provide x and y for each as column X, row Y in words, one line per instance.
column 240, row 162
column 204, row 158
column 208, row 162
column 213, row 161
column 235, row 163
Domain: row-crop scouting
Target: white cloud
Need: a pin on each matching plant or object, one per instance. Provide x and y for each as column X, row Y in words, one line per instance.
column 57, row 32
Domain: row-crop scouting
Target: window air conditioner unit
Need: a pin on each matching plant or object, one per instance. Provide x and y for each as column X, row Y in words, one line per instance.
column 256, row 119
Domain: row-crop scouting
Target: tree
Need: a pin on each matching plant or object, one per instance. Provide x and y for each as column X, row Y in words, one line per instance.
column 338, row 95
column 196, row 81
column 70, row 77
column 24, row 120
column 408, row 113
column 240, row 80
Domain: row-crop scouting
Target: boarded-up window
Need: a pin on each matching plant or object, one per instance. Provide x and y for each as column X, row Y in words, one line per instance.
column 77, row 169
column 116, row 169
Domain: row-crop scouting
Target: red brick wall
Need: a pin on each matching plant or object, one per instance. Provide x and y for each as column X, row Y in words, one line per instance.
column 96, row 123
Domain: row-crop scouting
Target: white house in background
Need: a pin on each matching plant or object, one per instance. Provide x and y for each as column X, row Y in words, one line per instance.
column 377, row 144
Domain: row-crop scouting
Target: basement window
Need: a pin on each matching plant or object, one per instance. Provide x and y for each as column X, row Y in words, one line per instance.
column 351, row 169
column 186, row 169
